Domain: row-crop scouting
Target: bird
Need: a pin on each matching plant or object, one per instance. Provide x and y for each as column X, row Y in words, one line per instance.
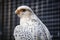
column 30, row 27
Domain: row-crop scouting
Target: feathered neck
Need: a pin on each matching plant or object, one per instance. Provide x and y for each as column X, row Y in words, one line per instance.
column 25, row 19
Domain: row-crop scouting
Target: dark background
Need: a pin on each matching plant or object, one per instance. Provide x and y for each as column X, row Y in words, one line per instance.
column 47, row 10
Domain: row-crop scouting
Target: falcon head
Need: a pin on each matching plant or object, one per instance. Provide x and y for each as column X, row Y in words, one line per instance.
column 23, row 11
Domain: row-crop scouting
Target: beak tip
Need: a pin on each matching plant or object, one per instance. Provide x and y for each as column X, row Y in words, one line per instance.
column 16, row 12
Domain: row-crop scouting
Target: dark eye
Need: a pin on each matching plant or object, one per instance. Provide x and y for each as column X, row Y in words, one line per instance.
column 23, row 10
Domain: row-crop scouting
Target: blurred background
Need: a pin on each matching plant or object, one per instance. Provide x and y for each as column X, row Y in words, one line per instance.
column 48, row 12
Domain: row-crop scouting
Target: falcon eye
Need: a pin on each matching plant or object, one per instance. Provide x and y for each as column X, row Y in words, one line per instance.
column 23, row 10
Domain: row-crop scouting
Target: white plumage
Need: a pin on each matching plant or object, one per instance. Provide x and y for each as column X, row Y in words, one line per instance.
column 31, row 27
